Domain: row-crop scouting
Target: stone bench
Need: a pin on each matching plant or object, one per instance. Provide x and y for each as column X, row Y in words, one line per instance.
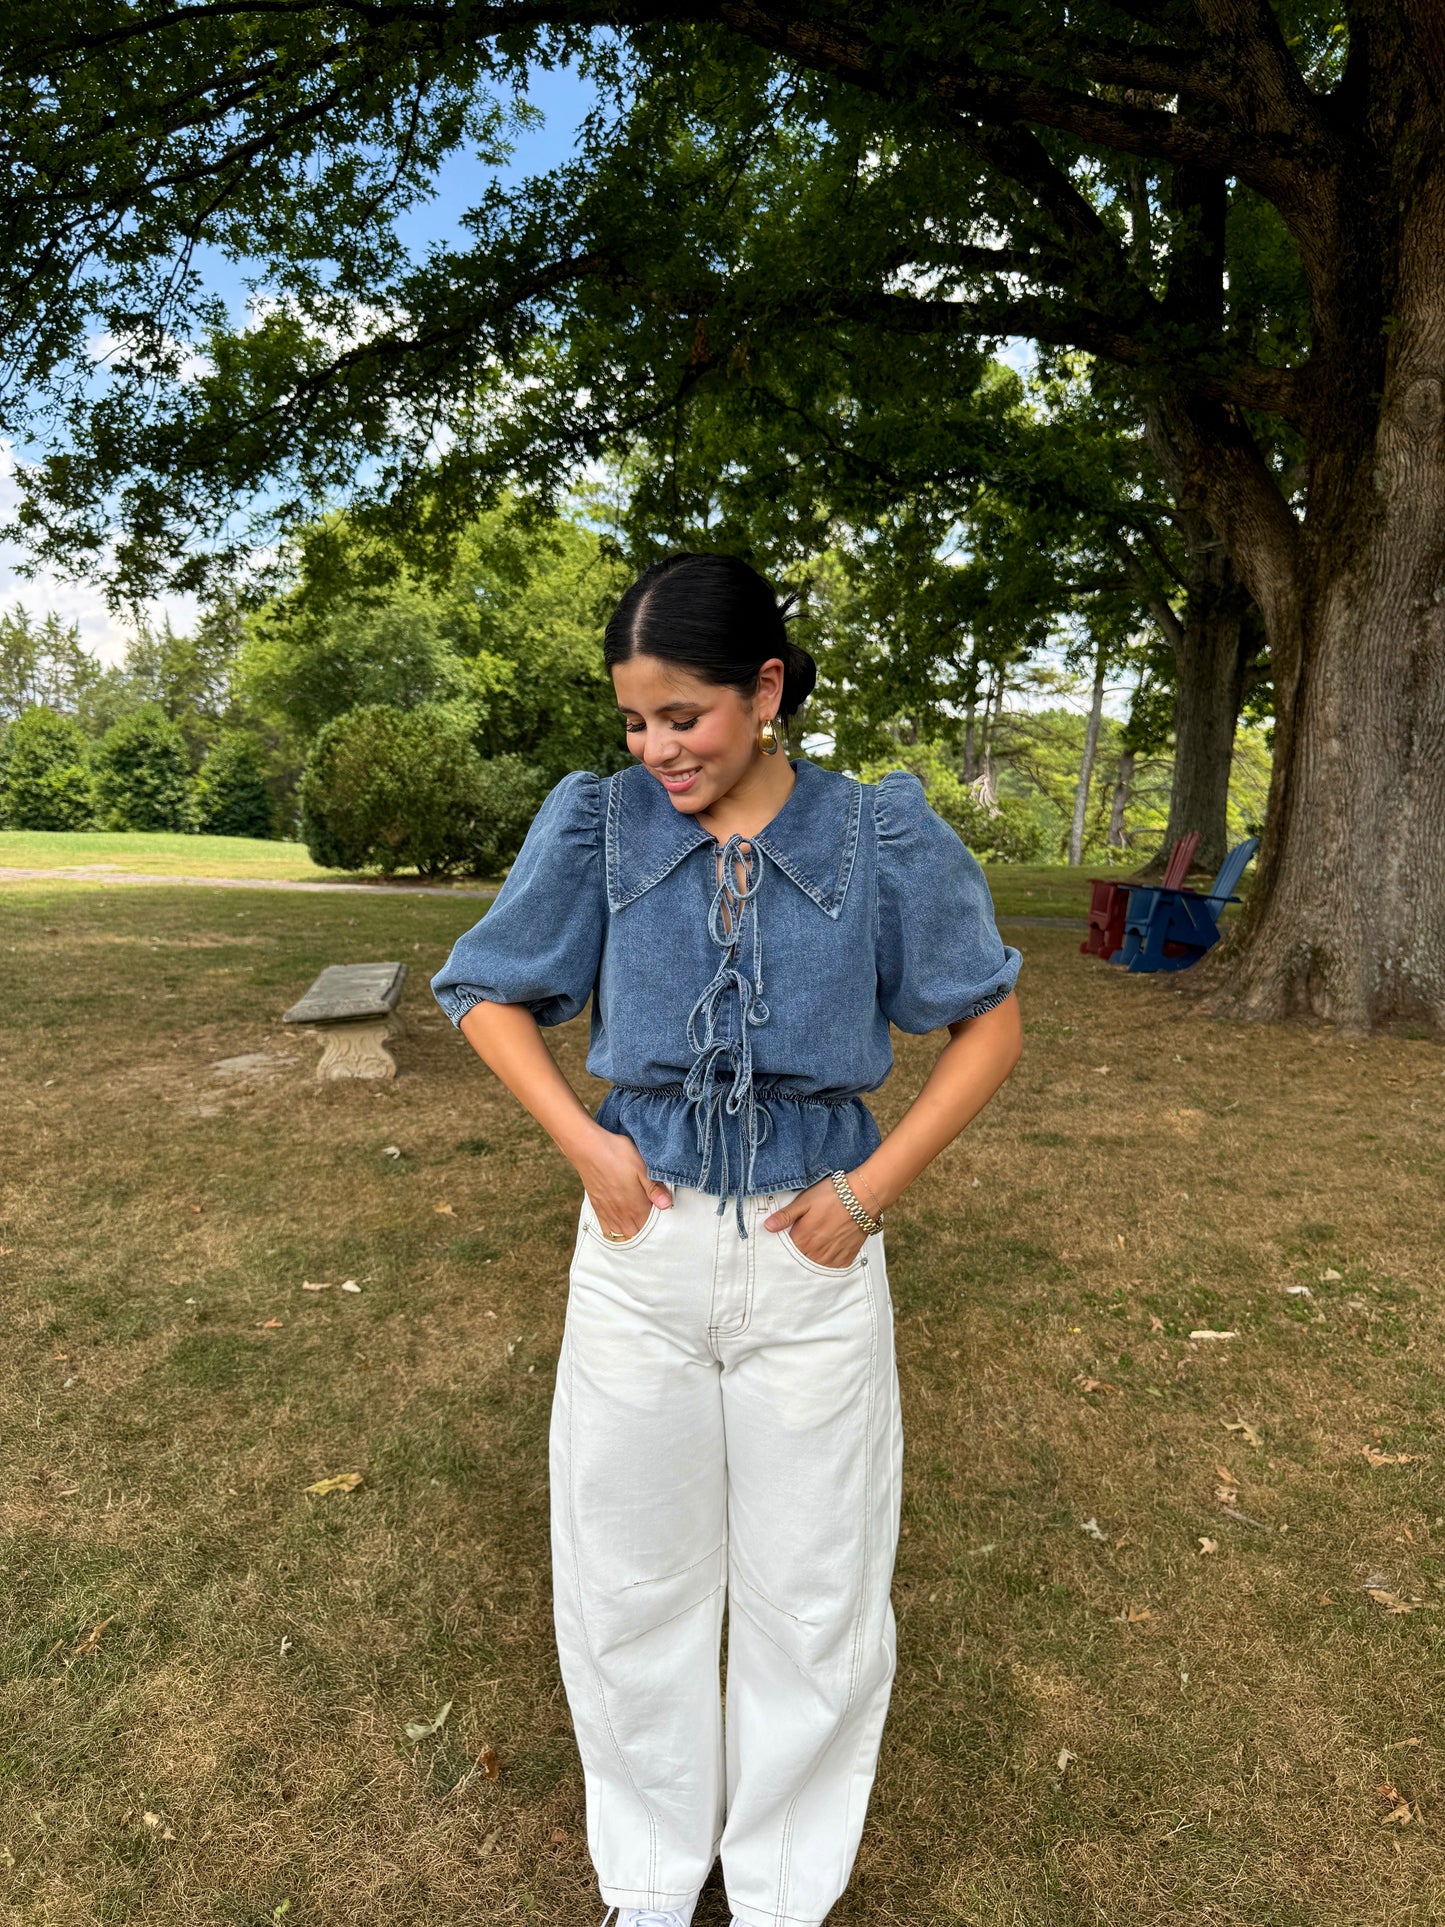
column 350, row 1007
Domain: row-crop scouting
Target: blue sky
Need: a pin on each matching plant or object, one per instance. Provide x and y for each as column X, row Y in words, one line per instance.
column 564, row 99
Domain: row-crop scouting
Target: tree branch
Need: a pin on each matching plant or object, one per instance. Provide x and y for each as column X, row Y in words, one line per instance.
column 1169, row 625
column 1286, row 114
column 1243, row 384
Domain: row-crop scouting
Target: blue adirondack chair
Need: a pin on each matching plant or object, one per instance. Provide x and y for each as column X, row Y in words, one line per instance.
column 1172, row 929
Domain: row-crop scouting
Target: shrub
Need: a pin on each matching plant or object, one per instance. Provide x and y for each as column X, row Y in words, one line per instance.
column 511, row 793
column 47, row 782
column 143, row 777
column 232, row 795
column 1004, row 832
column 392, row 789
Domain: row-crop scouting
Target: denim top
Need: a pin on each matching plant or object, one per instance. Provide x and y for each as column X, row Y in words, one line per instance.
column 738, row 1020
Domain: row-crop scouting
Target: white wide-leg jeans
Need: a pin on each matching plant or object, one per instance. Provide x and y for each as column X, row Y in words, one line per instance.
column 725, row 1428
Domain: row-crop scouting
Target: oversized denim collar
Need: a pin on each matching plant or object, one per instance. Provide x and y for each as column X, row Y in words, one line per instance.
column 813, row 839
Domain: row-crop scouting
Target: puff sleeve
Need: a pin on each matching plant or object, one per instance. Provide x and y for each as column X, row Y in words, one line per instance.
column 540, row 942
column 940, row 957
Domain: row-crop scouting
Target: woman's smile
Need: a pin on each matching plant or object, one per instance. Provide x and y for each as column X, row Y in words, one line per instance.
column 678, row 782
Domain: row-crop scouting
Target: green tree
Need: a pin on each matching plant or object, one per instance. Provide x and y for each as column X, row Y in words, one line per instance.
column 1240, row 208
column 232, row 796
column 42, row 663
column 45, row 775
column 142, row 774
column 996, row 831
column 187, row 675
column 393, row 789
column 511, row 633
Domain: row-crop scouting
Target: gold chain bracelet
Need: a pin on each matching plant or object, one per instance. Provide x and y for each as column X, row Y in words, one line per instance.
column 863, row 1220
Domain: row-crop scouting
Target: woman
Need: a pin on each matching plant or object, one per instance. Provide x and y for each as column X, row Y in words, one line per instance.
column 725, row 1424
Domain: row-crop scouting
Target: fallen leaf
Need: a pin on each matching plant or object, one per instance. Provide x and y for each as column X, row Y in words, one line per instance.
column 1135, row 1615
column 1208, row 1545
column 306, row 1285
column 1225, row 1494
column 271, row 1325
column 1391, row 1602
column 151, row 1819
column 1245, row 1431
column 1086, row 1384
column 491, row 1768
column 1091, row 1526
column 1223, row 1472
column 428, row 1729
column 1395, row 1745
column 557, row 1836
column 446, row 1210
column 390, row 1151
column 1330, row 1277
column 343, row 1482
column 1066, row 1759
column 1378, row 1458
column 1156, row 1324
column 1299, row 1291
column 1400, row 1813
column 1196, row 1337
column 285, row 1644
column 350, row 1284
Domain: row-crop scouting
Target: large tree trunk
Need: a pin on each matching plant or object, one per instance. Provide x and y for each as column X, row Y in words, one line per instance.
column 1209, row 664
column 1347, row 918
column 1211, row 643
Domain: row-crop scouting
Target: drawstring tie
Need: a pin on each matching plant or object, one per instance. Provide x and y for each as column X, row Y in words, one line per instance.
column 720, row 1082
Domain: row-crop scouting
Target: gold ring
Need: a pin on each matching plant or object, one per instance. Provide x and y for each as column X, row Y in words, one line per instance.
column 615, row 1237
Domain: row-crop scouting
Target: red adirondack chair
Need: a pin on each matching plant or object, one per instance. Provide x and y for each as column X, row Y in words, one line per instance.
column 1109, row 901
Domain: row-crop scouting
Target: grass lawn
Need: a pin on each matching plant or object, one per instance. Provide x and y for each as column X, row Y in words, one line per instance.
column 1019, row 889
column 1168, row 1608
column 159, row 853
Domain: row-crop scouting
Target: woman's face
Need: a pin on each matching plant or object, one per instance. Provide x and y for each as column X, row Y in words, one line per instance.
column 697, row 738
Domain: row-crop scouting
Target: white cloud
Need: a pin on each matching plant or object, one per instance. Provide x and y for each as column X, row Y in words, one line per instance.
column 78, row 600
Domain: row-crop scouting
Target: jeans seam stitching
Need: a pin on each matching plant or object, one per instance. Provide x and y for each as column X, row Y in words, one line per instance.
column 586, row 1635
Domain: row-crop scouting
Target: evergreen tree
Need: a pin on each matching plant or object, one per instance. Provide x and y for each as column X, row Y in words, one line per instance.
column 232, row 795
column 143, row 779
column 46, row 781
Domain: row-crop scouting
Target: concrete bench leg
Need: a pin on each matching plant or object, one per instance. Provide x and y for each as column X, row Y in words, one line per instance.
column 354, row 1050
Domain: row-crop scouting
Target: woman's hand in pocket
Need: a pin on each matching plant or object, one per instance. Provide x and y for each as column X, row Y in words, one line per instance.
column 820, row 1227
column 614, row 1176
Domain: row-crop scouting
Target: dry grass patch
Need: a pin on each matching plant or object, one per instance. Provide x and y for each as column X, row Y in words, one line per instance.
column 1096, row 1720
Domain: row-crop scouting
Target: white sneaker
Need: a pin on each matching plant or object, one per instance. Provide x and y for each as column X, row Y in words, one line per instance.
column 644, row 1917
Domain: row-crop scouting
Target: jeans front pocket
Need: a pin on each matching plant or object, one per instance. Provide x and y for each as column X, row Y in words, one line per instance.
column 811, row 1264
column 593, row 1229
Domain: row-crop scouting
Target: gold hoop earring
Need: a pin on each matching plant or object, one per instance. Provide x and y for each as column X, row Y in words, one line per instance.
column 769, row 742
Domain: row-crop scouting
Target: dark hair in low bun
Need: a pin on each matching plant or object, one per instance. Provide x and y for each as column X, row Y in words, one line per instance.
column 714, row 615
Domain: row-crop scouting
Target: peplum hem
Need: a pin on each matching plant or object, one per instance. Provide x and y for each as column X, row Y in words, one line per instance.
column 807, row 1136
